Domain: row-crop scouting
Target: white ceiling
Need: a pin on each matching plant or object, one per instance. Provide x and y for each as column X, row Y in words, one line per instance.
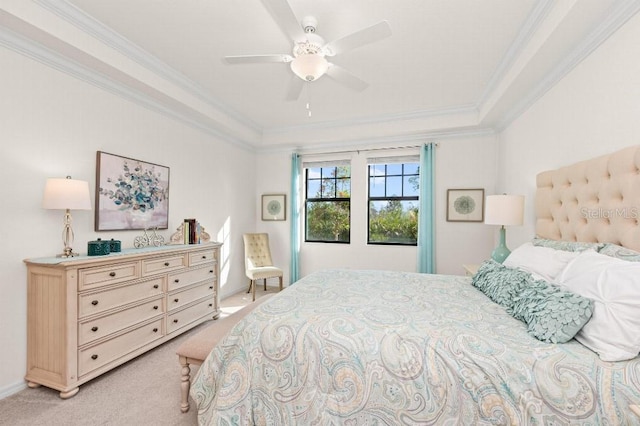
column 449, row 66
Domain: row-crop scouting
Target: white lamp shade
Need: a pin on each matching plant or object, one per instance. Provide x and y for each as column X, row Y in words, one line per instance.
column 309, row 67
column 504, row 210
column 62, row 194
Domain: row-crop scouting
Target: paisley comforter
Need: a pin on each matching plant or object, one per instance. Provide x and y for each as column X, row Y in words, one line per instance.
column 347, row 347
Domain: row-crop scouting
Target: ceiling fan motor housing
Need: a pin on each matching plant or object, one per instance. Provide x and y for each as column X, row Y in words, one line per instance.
column 309, row 24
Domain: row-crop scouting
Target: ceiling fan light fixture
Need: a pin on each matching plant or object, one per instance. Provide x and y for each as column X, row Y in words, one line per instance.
column 309, row 67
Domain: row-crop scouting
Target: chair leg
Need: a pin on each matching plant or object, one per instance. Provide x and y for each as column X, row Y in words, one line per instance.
column 280, row 277
column 250, row 285
column 265, row 284
column 254, row 292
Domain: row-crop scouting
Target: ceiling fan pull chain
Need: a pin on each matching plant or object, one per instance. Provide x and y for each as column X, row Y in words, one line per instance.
column 308, row 100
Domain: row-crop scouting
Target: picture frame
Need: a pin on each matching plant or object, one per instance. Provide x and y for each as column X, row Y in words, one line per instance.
column 130, row 194
column 274, row 207
column 465, row 205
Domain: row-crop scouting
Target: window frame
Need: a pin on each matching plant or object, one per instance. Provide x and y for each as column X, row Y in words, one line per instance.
column 386, row 163
column 335, row 199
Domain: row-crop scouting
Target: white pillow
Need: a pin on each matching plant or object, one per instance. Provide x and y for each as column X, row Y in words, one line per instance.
column 613, row 332
column 543, row 263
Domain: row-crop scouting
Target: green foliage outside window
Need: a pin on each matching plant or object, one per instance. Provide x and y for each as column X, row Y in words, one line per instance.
column 394, row 222
column 328, row 221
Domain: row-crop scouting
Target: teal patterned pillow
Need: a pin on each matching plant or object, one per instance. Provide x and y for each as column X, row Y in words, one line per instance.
column 620, row 252
column 566, row 245
column 552, row 315
column 500, row 283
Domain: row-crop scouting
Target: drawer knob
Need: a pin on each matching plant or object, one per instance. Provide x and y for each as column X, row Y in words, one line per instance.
column 155, row 307
column 155, row 286
column 204, row 256
column 166, row 263
column 94, row 328
column 155, row 330
column 175, row 321
column 94, row 302
column 176, row 300
column 210, row 304
column 94, row 356
column 177, row 280
column 112, row 274
column 211, row 271
column 210, row 287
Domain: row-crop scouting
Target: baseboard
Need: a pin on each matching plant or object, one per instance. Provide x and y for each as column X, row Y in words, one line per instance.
column 11, row 389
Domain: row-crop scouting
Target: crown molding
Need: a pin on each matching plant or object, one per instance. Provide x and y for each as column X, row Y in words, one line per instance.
column 52, row 59
column 386, row 141
column 621, row 12
column 114, row 40
column 532, row 24
column 379, row 119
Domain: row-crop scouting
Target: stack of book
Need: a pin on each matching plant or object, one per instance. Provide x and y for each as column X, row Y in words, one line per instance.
column 191, row 229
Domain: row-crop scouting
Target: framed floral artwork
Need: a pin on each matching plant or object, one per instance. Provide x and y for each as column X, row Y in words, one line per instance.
column 130, row 194
column 274, row 207
column 465, row 205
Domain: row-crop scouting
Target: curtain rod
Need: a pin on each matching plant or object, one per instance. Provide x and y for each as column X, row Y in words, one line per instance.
column 358, row 151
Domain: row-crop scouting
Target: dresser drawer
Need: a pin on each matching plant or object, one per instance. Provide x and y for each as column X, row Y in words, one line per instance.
column 91, row 330
column 163, row 264
column 201, row 257
column 96, row 356
column 94, row 303
column 186, row 316
column 106, row 275
column 192, row 276
column 192, row 294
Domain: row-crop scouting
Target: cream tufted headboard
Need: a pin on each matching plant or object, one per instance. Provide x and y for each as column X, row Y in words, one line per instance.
column 596, row 200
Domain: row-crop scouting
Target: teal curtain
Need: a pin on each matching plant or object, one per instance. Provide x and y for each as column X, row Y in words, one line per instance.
column 426, row 220
column 294, row 263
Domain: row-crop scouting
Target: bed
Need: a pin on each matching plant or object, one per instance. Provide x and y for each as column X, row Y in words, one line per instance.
column 380, row 347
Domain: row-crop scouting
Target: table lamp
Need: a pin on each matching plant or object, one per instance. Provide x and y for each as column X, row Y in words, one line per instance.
column 503, row 210
column 66, row 194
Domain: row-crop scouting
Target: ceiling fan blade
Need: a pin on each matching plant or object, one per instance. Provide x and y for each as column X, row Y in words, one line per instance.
column 295, row 88
column 257, row 59
column 345, row 78
column 364, row 36
column 285, row 18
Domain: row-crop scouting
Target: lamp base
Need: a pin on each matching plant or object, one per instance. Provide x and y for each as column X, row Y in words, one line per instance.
column 63, row 255
column 68, row 252
column 500, row 253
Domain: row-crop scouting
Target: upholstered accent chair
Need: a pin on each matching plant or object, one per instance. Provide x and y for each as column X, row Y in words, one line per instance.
column 257, row 261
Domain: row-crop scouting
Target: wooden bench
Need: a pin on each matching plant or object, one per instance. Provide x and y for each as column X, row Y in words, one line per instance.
column 197, row 347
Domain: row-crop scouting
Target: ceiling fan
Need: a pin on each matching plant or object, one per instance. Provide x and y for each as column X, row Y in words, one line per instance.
column 308, row 60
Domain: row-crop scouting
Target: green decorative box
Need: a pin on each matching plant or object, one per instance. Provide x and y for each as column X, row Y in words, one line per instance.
column 115, row 246
column 98, row 248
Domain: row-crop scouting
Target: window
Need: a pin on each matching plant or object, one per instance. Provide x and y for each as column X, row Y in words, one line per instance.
column 393, row 203
column 328, row 203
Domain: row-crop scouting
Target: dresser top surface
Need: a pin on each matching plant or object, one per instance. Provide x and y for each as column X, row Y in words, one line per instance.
column 122, row 255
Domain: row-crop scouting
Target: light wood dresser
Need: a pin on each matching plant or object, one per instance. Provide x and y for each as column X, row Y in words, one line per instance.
column 87, row 315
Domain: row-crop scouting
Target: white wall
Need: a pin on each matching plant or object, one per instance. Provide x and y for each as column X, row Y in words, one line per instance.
column 593, row 111
column 460, row 163
column 52, row 126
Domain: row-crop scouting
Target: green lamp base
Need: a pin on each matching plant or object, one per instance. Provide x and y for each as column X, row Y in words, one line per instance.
column 500, row 253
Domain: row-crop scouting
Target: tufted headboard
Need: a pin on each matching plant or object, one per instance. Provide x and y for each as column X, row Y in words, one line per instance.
column 596, row 200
